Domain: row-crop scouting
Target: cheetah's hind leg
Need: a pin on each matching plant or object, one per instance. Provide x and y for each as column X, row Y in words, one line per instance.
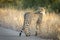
column 20, row 33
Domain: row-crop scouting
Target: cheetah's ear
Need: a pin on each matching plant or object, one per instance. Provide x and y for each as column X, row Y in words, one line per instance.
column 44, row 7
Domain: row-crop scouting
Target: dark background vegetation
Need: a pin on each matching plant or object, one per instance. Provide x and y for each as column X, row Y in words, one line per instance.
column 23, row 4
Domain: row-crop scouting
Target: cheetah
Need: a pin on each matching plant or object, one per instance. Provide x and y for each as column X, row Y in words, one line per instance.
column 31, row 20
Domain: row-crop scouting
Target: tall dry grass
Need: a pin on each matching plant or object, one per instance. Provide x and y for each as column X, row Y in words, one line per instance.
column 50, row 26
column 12, row 18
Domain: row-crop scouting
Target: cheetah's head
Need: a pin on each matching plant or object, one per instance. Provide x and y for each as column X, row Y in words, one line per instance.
column 40, row 10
